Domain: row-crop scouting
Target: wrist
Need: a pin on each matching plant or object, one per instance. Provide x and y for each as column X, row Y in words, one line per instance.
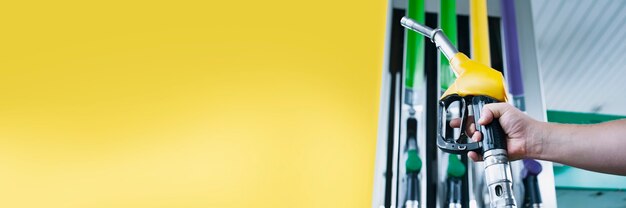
column 537, row 141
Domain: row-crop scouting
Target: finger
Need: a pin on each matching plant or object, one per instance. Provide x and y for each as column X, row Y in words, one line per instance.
column 471, row 129
column 455, row 123
column 477, row 136
column 474, row 156
column 491, row 111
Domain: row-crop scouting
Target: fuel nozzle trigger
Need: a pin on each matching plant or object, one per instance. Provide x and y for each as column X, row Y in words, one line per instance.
column 449, row 140
column 468, row 108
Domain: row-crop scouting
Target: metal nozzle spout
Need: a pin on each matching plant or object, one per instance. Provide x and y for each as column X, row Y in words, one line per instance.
column 417, row 27
column 436, row 36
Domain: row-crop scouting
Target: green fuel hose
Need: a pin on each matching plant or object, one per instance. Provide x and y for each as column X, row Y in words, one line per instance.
column 414, row 51
column 449, row 25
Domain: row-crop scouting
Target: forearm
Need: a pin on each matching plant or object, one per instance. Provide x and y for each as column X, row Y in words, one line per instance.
column 597, row 147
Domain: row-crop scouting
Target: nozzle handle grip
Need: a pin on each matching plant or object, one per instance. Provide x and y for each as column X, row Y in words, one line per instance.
column 493, row 134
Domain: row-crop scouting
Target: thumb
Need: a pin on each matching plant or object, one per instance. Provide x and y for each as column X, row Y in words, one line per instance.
column 491, row 111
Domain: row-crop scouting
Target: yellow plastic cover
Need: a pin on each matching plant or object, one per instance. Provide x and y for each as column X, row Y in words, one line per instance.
column 474, row 78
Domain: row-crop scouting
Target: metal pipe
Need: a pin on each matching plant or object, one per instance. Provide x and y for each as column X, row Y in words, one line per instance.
column 436, row 36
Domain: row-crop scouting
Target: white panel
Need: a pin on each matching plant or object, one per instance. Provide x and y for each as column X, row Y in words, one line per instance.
column 581, row 54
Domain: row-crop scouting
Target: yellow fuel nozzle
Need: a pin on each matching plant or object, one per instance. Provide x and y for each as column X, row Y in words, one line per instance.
column 473, row 78
column 476, row 86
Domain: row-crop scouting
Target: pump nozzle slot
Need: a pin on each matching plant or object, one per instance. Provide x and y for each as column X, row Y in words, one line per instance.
column 532, row 197
column 454, row 181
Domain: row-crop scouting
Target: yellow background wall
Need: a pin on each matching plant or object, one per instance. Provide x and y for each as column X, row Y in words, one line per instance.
column 189, row 104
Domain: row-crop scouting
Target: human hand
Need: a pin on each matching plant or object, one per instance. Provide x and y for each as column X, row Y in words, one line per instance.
column 524, row 134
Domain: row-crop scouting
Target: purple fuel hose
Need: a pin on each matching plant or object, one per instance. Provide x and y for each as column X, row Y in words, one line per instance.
column 513, row 69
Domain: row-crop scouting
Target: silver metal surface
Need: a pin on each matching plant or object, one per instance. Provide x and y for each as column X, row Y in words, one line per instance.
column 417, row 27
column 454, row 205
column 436, row 36
column 498, row 179
column 409, row 96
column 412, row 204
column 494, row 152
